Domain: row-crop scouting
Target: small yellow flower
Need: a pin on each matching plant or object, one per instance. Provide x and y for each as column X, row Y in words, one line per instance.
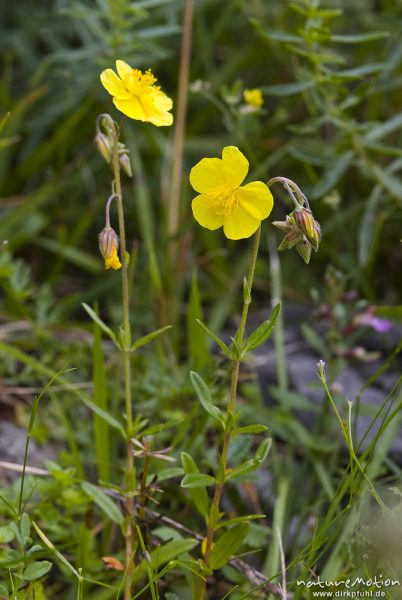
column 108, row 246
column 253, row 98
column 136, row 95
column 222, row 202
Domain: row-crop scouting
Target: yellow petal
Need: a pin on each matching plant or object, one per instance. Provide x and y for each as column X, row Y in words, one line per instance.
column 256, row 199
column 156, row 107
column 240, row 224
column 113, row 261
column 130, row 107
column 203, row 215
column 123, row 69
column 113, row 84
column 235, row 165
column 207, row 174
column 161, row 119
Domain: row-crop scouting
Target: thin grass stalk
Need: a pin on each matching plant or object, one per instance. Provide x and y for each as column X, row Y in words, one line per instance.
column 180, row 129
column 130, row 469
column 215, row 506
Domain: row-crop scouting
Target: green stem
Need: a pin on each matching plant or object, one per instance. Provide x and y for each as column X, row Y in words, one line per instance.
column 130, row 469
column 213, row 517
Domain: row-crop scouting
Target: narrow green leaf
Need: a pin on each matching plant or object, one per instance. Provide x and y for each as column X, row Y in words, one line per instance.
column 162, row 555
column 90, row 311
column 358, row 72
column 246, row 467
column 359, row 38
column 36, row 570
column 388, row 180
column 332, row 175
column 369, row 226
column 7, row 534
column 199, row 496
column 243, row 519
column 386, row 127
column 220, row 343
column 25, row 528
column 287, row 89
column 148, row 338
column 275, row 34
column 262, row 333
column 227, row 545
column 204, row 397
column 153, row 429
column 104, row 502
column 106, row 416
column 257, row 428
column 263, row 450
column 197, row 480
column 315, row 340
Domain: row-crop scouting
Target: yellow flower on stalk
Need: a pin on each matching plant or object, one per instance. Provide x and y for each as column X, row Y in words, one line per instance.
column 222, row 201
column 253, row 98
column 108, row 246
column 136, row 95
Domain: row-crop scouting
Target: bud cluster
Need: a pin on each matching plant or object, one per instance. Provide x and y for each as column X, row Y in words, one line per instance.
column 302, row 232
column 104, row 141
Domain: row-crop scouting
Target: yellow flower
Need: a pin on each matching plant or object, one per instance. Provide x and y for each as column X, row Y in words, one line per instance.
column 136, row 96
column 253, row 98
column 222, row 202
column 108, row 246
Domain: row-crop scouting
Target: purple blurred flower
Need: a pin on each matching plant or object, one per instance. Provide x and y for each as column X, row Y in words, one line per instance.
column 369, row 320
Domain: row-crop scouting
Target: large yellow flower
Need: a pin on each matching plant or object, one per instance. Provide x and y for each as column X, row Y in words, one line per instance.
column 136, row 95
column 222, row 202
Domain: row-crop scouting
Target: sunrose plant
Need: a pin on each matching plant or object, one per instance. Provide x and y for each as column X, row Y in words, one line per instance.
column 136, row 95
column 223, row 201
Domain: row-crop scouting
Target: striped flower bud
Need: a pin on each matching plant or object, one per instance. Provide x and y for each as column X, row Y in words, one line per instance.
column 305, row 221
column 304, row 249
column 109, row 246
column 126, row 164
column 103, row 144
column 316, row 239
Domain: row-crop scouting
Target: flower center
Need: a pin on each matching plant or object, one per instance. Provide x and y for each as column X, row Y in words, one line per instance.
column 139, row 83
column 221, row 200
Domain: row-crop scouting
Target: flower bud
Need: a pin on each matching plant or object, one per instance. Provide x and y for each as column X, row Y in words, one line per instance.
column 103, row 144
column 126, row 164
column 304, row 249
column 305, row 221
column 316, row 239
column 108, row 246
column 320, row 370
column 291, row 239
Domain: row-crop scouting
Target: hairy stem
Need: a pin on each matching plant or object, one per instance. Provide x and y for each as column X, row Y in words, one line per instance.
column 130, row 469
column 213, row 517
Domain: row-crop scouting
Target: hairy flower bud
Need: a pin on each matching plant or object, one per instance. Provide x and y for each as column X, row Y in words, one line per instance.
column 103, row 144
column 304, row 249
column 316, row 239
column 108, row 246
column 126, row 164
column 320, row 370
column 305, row 221
column 291, row 239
